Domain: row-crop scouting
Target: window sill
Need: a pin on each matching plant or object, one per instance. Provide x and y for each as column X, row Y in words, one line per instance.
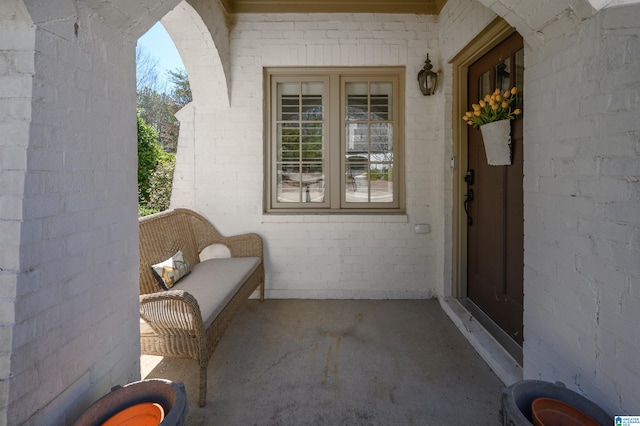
column 335, row 218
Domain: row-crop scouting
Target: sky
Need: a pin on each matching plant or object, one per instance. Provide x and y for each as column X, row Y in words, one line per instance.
column 157, row 43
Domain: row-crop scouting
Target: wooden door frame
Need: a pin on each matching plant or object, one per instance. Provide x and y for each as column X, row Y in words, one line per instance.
column 496, row 32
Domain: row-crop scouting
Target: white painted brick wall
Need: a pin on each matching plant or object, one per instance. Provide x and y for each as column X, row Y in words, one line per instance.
column 69, row 282
column 582, row 211
column 320, row 255
column 17, row 41
column 202, row 38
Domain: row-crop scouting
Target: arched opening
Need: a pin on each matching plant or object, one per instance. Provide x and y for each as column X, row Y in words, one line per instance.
column 72, row 265
column 162, row 89
column 199, row 30
column 208, row 82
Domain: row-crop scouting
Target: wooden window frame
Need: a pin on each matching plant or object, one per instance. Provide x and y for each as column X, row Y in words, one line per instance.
column 335, row 138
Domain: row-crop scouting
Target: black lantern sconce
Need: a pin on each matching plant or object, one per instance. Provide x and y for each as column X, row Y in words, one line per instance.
column 427, row 79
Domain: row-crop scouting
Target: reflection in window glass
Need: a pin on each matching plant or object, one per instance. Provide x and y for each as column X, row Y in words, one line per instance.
column 300, row 142
column 381, row 101
column 519, row 77
column 369, row 142
column 382, row 140
column 357, row 138
column 503, row 75
column 484, row 85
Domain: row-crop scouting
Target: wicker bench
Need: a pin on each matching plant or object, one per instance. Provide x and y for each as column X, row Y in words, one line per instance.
column 189, row 319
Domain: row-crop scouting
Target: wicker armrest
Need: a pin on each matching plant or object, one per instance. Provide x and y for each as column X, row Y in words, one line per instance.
column 173, row 312
column 244, row 245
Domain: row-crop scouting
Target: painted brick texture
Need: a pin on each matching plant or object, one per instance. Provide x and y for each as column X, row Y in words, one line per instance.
column 318, row 255
column 581, row 209
column 71, row 163
column 17, row 41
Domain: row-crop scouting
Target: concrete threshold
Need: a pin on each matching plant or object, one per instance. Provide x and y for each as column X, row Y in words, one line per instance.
column 503, row 364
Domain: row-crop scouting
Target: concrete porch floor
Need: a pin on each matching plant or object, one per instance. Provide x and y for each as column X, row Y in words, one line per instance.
column 340, row 362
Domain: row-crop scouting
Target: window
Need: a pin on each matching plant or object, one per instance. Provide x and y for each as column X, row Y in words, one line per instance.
column 334, row 140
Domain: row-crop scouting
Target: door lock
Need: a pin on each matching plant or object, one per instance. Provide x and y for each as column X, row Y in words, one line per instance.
column 470, row 177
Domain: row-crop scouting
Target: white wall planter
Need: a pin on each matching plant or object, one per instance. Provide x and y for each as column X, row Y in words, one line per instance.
column 497, row 142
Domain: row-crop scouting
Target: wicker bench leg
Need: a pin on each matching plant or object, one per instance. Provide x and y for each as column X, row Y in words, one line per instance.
column 202, row 396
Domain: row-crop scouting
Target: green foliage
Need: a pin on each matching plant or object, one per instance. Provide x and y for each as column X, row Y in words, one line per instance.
column 160, row 184
column 302, row 145
column 375, row 174
column 157, row 110
column 155, row 171
column 148, row 153
column 181, row 93
column 159, row 187
column 158, row 131
column 388, row 174
column 143, row 210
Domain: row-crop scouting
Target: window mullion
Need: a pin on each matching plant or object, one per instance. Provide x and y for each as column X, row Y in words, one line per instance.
column 334, row 143
column 369, row 149
column 300, row 130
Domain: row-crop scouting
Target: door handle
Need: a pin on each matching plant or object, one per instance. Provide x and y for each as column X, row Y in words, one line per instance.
column 469, row 178
column 468, row 198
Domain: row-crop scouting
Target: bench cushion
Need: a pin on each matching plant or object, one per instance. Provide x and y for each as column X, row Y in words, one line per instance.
column 214, row 282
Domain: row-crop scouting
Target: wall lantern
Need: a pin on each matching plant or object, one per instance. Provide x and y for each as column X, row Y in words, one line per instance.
column 427, row 79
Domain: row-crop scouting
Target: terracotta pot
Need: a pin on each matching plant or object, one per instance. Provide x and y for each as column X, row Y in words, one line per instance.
column 497, row 142
column 144, row 414
column 518, row 398
column 144, row 398
column 552, row 412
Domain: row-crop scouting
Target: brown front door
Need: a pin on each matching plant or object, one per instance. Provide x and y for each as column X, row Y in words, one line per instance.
column 494, row 200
